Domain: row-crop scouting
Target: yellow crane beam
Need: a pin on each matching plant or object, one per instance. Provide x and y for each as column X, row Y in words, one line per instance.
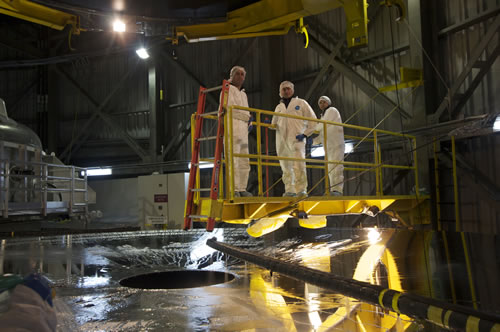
column 36, row 13
column 276, row 17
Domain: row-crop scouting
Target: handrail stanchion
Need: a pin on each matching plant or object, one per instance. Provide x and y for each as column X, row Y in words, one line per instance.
column 231, row 153
column 259, row 158
column 267, row 166
column 226, row 154
column 325, row 147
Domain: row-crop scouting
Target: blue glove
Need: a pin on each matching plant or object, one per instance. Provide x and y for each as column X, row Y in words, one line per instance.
column 309, row 140
column 39, row 284
column 300, row 137
column 267, row 120
column 250, row 125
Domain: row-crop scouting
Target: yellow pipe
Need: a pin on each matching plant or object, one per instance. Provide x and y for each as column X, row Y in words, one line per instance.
column 259, row 160
column 231, row 158
column 325, row 147
column 458, row 226
column 469, row 271
column 436, row 180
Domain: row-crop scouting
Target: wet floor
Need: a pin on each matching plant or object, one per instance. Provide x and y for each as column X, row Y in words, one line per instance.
column 87, row 269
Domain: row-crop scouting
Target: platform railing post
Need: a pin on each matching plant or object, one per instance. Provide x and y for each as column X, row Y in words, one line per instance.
column 327, row 173
column 231, row 153
column 259, row 158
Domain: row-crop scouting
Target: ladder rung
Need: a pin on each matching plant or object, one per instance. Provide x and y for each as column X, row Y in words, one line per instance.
column 208, row 138
column 201, row 189
column 197, row 216
column 210, row 113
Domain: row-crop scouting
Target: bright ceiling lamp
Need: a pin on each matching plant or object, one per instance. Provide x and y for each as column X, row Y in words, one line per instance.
column 496, row 124
column 349, row 147
column 142, row 53
column 98, row 171
column 119, row 26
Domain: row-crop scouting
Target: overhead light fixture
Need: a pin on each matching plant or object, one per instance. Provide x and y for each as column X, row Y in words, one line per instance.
column 496, row 124
column 142, row 53
column 349, row 147
column 319, row 151
column 97, row 171
column 203, row 165
column 119, row 26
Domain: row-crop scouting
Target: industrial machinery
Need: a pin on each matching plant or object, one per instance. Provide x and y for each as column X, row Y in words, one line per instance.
column 33, row 184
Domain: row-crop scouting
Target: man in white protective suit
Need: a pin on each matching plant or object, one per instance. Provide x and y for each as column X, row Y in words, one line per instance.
column 335, row 144
column 241, row 127
column 290, row 135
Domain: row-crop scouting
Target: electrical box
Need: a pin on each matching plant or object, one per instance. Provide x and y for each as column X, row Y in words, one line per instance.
column 161, row 199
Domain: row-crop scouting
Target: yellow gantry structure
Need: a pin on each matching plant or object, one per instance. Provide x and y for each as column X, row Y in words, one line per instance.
column 269, row 213
column 36, row 13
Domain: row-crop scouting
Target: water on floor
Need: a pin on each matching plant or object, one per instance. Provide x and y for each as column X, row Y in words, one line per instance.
column 87, row 269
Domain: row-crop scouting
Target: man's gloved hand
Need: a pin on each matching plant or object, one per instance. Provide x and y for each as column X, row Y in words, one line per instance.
column 300, row 137
column 309, row 140
column 250, row 125
column 39, row 284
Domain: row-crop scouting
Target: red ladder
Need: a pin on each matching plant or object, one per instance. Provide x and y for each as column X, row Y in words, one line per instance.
column 195, row 158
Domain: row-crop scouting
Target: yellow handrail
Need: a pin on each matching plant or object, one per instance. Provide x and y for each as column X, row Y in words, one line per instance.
column 257, row 159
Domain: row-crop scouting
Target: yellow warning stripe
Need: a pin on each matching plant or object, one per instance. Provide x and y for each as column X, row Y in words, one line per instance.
column 472, row 324
column 446, row 321
column 434, row 314
column 395, row 299
column 381, row 296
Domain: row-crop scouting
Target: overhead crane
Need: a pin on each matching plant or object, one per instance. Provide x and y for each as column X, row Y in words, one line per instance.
column 265, row 214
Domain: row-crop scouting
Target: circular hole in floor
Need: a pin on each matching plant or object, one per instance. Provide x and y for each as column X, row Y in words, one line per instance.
column 177, row 279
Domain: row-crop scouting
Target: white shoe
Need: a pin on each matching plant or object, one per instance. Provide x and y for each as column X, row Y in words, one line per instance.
column 302, row 194
column 245, row 194
column 289, row 194
column 335, row 193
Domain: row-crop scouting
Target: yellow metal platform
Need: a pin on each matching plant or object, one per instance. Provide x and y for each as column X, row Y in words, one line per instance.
column 407, row 209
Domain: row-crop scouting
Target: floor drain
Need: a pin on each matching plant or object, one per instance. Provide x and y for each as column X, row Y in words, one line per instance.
column 177, row 279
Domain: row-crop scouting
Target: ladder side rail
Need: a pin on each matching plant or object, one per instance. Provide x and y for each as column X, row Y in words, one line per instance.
column 195, row 158
column 214, row 188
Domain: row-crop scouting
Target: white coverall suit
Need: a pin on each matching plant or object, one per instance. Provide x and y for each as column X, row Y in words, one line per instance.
column 240, row 137
column 294, row 172
column 334, row 147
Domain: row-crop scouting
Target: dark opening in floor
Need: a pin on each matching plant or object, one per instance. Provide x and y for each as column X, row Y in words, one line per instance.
column 177, row 279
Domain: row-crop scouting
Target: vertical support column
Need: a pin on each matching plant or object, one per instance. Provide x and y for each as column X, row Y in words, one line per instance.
column 415, row 155
column 377, row 165
column 156, row 116
column 436, row 181
column 458, row 226
column 327, row 173
column 231, row 153
column 380, row 171
column 72, row 190
column 259, row 158
column 52, row 110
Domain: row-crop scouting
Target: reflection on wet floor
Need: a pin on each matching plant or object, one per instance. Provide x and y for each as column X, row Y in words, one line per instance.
column 86, row 271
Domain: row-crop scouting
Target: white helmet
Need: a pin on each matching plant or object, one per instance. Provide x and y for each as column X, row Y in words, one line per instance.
column 325, row 98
